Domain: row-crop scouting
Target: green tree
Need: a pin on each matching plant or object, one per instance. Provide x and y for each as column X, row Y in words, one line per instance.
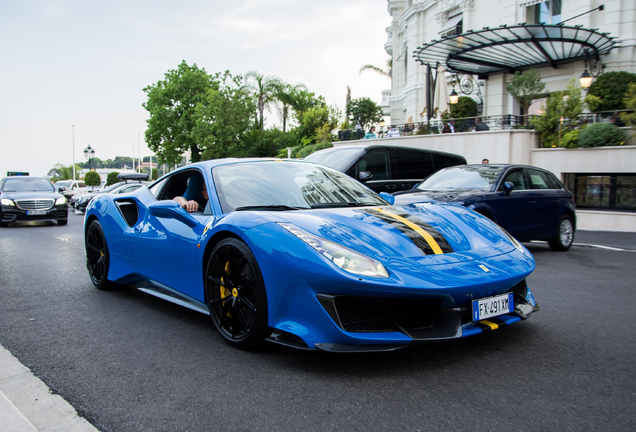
column 364, row 112
column 630, row 103
column 611, row 87
column 111, row 178
column 317, row 124
column 286, row 97
column 91, row 178
column 222, row 117
column 561, row 115
column 172, row 103
column 526, row 87
column 66, row 172
column 264, row 90
column 601, row 134
column 385, row 72
column 465, row 107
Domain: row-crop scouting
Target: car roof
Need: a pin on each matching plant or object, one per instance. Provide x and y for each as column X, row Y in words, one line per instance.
column 386, row 146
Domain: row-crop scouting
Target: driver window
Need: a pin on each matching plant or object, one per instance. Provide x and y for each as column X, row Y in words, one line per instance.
column 517, row 178
column 189, row 185
column 377, row 163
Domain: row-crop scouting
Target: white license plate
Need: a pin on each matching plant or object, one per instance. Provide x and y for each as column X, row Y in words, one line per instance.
column 36, row 212
column 492, row 306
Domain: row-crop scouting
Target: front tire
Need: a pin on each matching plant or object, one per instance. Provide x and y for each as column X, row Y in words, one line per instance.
column 97, row 256
column 564, row 236
column 235, row 294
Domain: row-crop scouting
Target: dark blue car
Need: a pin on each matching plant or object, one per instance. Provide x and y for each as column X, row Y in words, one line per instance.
column 528, row 202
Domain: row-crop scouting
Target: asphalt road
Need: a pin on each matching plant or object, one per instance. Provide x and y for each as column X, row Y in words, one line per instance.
column 127, row 361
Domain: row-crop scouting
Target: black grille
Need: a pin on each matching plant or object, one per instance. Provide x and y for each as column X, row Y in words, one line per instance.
column 370, row 314
column 35, row 204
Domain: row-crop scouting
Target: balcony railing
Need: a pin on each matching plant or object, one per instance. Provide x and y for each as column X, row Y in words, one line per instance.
column 469, row 124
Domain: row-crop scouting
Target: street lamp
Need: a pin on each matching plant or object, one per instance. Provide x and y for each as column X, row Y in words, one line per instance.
column 586, row 79
column 88, row 154
column 453, row 98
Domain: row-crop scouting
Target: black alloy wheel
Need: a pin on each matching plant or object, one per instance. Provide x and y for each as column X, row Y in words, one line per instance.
column 235, row 294
column 564, row 236
column 97, row 256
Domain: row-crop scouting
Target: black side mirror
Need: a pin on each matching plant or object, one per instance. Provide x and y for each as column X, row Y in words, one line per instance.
column 365, row 176
column 508, row 187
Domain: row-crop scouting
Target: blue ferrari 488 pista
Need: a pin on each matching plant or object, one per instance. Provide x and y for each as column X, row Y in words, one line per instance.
column 303, row 255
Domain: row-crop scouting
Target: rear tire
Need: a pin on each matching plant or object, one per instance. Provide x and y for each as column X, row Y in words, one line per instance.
column 564, row 236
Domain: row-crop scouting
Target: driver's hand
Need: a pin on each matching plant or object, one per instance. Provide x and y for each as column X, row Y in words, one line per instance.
column 191, row 206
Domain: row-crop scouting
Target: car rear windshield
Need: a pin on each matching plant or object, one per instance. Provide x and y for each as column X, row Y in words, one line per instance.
column 337, row 158
column 274, row 185
column 467, row 177
column 25, row 184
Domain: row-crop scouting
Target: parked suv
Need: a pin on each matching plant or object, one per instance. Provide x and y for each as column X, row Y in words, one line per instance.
column 385, row 168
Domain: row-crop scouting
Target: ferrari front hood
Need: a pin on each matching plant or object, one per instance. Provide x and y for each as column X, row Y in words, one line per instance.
column 439, row 233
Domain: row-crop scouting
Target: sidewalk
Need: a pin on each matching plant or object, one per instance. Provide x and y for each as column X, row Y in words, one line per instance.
column 27, row 405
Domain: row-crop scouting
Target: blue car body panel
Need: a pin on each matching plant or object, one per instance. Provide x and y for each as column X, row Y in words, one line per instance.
column 167, row 256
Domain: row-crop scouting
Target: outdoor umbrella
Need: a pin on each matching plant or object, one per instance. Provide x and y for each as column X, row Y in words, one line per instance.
column 440, row 101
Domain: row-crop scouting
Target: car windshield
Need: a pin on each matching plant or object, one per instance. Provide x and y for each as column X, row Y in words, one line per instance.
column 336, row 158
column 26, row 184
column 465, row 177
column 63, row 183
column 278, row 185
column 111, row 187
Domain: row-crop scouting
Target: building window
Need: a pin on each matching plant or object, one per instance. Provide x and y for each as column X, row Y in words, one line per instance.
column 616, row 192
column 548, row 12
column 454, row 26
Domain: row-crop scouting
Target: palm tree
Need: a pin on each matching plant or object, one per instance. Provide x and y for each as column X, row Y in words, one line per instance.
column 264, row 89
column 286, row 95
column 384, row 72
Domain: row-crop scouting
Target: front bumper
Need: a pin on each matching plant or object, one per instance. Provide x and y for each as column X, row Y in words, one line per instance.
column 374, row 324
column 13, row 214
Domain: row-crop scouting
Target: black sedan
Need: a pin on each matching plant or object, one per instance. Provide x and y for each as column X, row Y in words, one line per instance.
column 528, row 202
column 31, row 199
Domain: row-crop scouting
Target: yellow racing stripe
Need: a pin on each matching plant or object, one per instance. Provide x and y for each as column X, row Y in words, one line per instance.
column 429, row 239
column 490, row 324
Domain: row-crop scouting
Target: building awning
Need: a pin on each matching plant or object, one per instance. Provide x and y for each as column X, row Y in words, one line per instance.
column 511, row 48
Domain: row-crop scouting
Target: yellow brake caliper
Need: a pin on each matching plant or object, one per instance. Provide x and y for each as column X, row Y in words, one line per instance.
column 225, row 291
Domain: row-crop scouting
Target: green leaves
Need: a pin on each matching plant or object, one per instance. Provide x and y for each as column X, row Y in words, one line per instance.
column 364, row 112
column 171, row 105
column 526, row 87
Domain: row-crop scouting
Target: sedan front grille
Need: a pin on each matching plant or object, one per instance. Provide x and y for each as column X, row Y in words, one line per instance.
column 375, row 314
column 35, row 204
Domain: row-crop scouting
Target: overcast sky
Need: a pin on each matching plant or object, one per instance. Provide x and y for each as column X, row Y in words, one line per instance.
column 85, row 63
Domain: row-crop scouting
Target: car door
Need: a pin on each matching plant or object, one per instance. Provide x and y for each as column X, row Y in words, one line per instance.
column 409, row 167
column 166, row 248
column 514, row 212
column 546, row 197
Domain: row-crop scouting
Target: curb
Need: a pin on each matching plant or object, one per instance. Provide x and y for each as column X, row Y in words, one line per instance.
column 27, row 404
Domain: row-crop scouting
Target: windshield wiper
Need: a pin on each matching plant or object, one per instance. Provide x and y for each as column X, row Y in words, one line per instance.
column 273, row 207
column 342, row 204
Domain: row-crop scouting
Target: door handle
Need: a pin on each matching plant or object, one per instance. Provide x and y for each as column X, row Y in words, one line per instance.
column 391, row 186
column 532, row 202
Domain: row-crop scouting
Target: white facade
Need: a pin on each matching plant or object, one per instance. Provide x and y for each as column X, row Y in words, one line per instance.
column 417, row 22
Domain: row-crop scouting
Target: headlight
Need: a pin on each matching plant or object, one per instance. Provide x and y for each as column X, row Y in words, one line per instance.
column 7, row 202
column 513, row 240
column 60, row 201
column 84, row 200
column 343, row 257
